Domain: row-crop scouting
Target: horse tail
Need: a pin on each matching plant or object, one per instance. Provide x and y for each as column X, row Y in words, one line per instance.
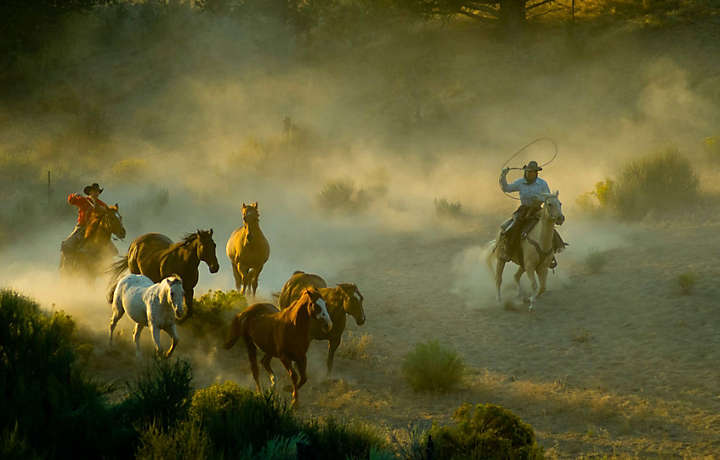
column 116, row 270
column 489, row 250
column 236, row 330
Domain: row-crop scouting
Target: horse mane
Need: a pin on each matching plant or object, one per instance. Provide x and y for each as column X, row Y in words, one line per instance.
column 190, row 238
column 299, row 304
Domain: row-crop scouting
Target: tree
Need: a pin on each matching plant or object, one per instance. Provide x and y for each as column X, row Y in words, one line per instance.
column 510, row 13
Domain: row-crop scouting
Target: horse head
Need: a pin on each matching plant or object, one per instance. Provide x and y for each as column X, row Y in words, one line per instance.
column 250, row 213
column 206, row 249
column 353, row 303
column 175, row 294
column 109, row 221
column 552, row 208
column 317, row 307
column 115, row 221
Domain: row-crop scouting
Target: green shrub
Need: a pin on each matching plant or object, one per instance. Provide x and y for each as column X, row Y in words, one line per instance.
column 445, row 208
column 43, row 385
column 657, row 183
column 279, row 448
column 485, row 431
column 235, row 418
column 432, row 367
column 212, row 313
column 331, row 440
column 686, row 281
column 596, row 260
column 185, row 441
column 161, row 395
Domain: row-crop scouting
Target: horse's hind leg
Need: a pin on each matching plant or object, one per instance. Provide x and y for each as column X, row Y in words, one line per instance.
column 542, row 274
column 266, row 364
column 118, row 312
column 518, row 275
column 252, row 357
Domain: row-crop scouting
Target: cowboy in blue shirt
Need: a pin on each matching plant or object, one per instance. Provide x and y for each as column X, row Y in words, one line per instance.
column 531, row 189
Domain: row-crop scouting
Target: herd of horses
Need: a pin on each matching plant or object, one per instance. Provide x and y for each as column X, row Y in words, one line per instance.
column 159, row 289
column 162, row 271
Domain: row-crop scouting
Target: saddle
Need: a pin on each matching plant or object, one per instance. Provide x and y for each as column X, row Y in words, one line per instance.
column 519, row 231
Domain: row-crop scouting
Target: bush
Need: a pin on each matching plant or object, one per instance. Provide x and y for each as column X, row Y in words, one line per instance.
column 342, row 196
column 658, row 183
column 160, row 396
column 355, row 346
column 186, row 441
column 445, row 208
column 596, row 260
column 686, row 281
column 331, row 440
column 485, row 431
column 212, row 313
column 235, row 418
column 43, row 385
column 432, row 367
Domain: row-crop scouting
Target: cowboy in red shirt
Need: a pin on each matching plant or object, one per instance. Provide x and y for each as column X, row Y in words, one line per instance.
column 87, row 205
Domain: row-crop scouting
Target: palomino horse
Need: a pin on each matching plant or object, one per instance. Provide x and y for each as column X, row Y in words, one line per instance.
column 153, row 305
column 280, row 334
column 345, row 298
column 248, row 250
column 156, row 256
column 537, row 250
column 97, row 247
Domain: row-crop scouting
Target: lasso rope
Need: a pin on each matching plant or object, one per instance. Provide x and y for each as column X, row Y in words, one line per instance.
column 522, row 149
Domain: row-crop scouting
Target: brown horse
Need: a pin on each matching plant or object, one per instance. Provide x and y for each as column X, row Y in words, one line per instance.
column 156, row 256
column 280, row 334
column 248, row 250
column 343, row 299
column 97, row 247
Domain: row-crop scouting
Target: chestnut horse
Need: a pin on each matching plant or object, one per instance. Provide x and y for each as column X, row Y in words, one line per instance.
column 345, row 298
column 156, row 256
column 280, row 334
column 248, row 250
column 97, row 247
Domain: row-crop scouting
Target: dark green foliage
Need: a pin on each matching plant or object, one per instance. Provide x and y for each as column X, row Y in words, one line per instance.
column 212, row 313
column 331, row 440
column 656, row 184
column 161, row 395
column 433, row 367
column 43, row 386
column 234, row 417
column 486, row 432
column 343, row 196
column 445, row 208
column 186, row 441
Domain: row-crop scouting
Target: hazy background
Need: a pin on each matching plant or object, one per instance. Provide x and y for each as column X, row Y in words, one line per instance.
column 182, row 114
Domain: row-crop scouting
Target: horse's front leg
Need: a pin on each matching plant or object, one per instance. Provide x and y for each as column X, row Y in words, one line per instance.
column 534, row 287
column 266, row 364
column 518, row 275
column 332, row 346
column 542, row 274
column 293, row 377
column 136, row 338
column 172, row 331
column 302, row 370
column 498, row 278
column 155, row 332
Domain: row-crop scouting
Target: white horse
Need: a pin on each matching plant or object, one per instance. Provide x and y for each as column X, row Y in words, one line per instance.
column 153, row 305
column 537, row 250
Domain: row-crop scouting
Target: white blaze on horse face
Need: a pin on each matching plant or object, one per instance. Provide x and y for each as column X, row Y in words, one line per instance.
column 357, row 296
column 177, row 294
column 323, row 315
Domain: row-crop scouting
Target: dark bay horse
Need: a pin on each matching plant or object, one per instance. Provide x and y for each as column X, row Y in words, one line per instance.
column 280, row 334
column 345, row 298
column 97, row 247
column 156, row 256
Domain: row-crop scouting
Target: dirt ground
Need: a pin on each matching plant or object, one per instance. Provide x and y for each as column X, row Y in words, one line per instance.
column 617, row 362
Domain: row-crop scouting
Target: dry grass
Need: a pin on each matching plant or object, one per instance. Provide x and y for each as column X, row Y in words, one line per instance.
column 355, row 346
column 687, row 282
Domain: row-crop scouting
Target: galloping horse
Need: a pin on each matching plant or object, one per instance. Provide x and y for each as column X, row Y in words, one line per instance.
column 153, row 305
column 97, row 246
column 280, row 334
column 156, row 256
column 343, row 299
column 537, row 250
column 248, row 250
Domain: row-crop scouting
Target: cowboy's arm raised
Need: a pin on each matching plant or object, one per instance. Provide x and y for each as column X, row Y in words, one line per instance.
column 504, row 186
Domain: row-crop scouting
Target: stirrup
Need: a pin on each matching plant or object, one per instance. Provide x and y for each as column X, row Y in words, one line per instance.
column 553, row 263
